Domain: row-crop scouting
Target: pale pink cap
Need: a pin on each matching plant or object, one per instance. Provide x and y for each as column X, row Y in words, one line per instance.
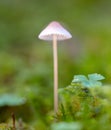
column 54, row 28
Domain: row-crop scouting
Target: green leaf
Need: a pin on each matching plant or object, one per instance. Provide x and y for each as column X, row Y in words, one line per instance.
column 11, row 100
column 91, row 81
column 86, row 83
column 66, row 126
column 79, row 78
column 95, row 77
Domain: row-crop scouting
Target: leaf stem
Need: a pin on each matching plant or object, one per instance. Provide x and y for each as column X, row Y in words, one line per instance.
column 13, row 119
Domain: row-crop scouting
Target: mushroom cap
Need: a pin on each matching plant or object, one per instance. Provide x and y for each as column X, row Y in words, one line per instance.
column 54, row 28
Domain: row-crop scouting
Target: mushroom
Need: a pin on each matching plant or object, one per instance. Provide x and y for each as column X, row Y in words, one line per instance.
column 55, row 32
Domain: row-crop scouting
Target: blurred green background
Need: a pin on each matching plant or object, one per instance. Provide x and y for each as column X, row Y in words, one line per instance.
column 26, row 63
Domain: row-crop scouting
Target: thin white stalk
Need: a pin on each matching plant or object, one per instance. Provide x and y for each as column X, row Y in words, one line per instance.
column 55, row 59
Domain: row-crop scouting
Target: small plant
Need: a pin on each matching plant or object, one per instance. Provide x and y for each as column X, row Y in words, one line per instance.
column 78, row 102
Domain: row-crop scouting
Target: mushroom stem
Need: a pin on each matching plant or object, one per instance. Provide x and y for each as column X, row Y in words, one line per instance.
column 55, row 58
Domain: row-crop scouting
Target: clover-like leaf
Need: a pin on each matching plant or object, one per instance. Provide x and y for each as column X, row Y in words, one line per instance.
column 95, row 77
column 11, row 100
column 66, row 126
column 79, row 78
column 91, row 81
